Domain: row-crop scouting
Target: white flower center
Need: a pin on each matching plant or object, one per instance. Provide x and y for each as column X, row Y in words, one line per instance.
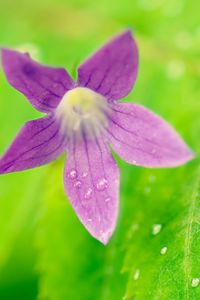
column 82, row 108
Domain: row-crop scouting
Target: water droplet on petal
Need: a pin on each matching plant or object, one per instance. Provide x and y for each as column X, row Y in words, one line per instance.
column 88, row 193
column 195, row 282
column 77, row 184
column 102, row 184
column 85, row 174
column 72, row 174
column 107, row 199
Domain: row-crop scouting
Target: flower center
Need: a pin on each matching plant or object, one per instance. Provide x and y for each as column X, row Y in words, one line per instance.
column 82, row 108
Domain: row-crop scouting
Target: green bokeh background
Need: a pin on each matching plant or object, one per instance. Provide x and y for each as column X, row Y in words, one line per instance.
column 45, row 253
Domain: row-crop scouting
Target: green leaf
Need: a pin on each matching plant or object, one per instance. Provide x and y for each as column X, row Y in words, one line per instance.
column 163, row 260
column 19, row 203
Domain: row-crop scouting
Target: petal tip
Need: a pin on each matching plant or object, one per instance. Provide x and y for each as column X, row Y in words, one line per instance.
column 104, row 237
column 190, row 155
column 125, row 34
column 186, row 157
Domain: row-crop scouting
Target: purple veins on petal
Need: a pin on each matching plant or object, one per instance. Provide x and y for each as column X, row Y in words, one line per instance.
column 112, row 70
column 140, row 137
column 38, row 143
column 93, row 156
column 44, row 86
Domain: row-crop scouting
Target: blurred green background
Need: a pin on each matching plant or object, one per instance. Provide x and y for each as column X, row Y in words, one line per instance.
column 45, row 253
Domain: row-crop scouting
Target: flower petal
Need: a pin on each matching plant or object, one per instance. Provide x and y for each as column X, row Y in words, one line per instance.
column 44, row 86
column 38, row 142
column 91, row 181
column 112, row 70
column 140, row 137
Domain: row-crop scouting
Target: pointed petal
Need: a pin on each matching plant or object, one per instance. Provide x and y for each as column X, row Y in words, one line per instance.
column 91, row 181
column 38, row 142
column 112, row 70
column 44, row 86
column 140, row 137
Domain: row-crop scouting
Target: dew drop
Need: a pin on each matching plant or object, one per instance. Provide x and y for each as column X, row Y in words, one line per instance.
column 136, row 274
column 88, row 193
column 156, row 228
column 77, row 184
column 72, row 174
column 195, row 282
column 102, row 184
column 163, row 250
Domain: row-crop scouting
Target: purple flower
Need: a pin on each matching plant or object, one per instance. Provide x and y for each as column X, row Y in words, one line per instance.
column 84, row 119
